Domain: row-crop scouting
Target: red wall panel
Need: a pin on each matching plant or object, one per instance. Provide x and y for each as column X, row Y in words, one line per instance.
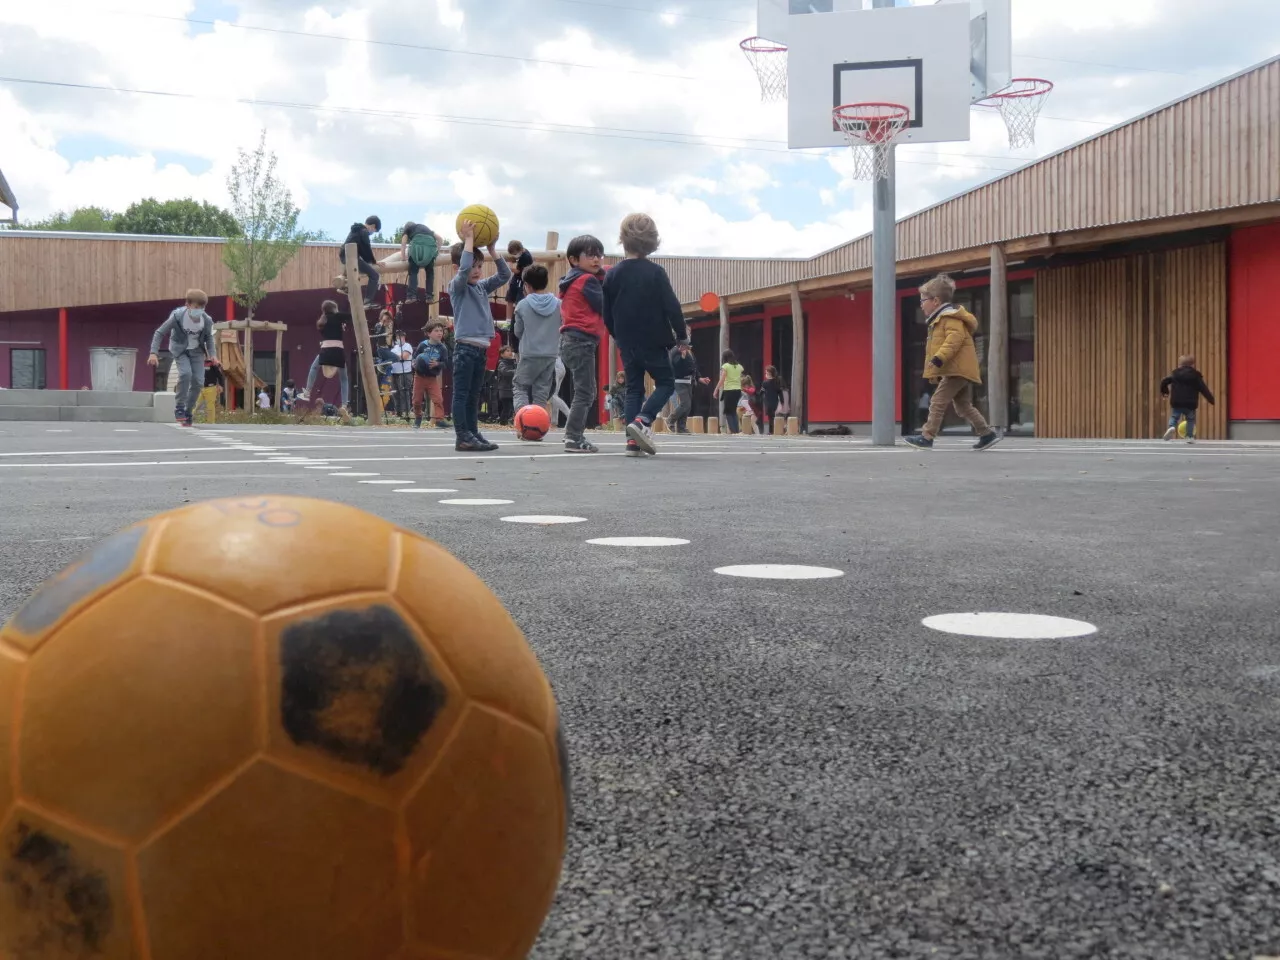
column 1253, row 324
column 839, row 360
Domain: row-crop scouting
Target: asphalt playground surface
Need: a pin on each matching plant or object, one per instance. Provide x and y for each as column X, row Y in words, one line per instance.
column 801, row 768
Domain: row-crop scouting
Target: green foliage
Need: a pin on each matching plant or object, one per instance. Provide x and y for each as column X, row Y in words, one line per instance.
column 80, row 220
column 176, row 218
column 170, row 218
column 268, row 219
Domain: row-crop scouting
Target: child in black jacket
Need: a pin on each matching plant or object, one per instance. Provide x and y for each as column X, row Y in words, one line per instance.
column 643, row 314
column 1183, row 387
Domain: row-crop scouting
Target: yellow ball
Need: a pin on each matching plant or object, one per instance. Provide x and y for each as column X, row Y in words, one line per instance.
column 1182, row 429
column 486, row 222
column 269, row 727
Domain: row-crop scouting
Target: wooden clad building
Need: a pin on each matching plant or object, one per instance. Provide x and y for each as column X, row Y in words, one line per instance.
column 1156, row 238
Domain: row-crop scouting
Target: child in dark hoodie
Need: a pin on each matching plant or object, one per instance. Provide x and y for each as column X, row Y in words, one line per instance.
column 537, row 329
column 1183, row 387
column 359, row 235
column 643, row 314
column 581, row 330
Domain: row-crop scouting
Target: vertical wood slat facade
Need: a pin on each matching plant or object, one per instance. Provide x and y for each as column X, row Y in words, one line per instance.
column 1109, row 331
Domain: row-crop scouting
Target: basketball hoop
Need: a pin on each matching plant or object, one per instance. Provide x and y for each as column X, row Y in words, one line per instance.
column 769, row 60
column 1019, row 105
column 871, row 129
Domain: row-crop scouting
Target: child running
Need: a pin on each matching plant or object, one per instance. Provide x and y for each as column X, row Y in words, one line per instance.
column 1183, row 387
column 190, row 332
column 473, row 331
column 581, row 330
column 643, row 314
column 537, row 330
column 429, row 361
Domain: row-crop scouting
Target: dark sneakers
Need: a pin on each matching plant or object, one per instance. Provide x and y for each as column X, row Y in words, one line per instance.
column 923, row 443
column 580, row 446
column 474, row 444
column 987, row 441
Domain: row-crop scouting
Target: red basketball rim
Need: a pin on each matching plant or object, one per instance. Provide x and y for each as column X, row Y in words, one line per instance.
column 1031, row 87
column 761, row 45
column 889, row 112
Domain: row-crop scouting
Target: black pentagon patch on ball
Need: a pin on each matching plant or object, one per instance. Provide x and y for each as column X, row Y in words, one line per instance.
column 356, row 685
column 63, row 908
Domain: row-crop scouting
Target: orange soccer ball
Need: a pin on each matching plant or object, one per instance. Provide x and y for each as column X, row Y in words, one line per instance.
column 220, row 740
column 532, row 422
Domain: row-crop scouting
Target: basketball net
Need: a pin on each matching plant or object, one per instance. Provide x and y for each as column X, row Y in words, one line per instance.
column 1019, row 105
column 871, row 129
column 769, row 60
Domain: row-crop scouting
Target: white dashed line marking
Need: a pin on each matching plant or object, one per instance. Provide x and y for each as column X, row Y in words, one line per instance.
column 1010, row 626
column 779, row 571
column 638, row 541
column 544, row 520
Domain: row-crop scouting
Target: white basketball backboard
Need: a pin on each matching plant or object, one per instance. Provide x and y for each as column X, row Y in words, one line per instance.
column 990, row 46
column 918, row 57
column 773, row 17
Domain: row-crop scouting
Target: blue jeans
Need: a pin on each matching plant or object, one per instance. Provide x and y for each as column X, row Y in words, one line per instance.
column 468, row 382
column 1182, row 413
column 656, row 362
column 344, row 384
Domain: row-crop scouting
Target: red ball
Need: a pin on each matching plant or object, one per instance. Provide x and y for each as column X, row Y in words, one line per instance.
column 532, row 422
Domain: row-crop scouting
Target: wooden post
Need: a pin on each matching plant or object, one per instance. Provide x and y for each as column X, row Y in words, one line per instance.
column 797, row 416
column 250, row 395
column 279, row 366
column 553, row 240
column 998, row 348
column 368, row 375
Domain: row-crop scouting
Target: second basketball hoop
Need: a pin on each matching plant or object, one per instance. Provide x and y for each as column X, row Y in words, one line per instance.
column 871, row 129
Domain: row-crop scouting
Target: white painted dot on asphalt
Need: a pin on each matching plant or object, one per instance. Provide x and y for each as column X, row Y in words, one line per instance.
column 638, row 541
column 375, row 481
column 57, row 431
column 779, row 571
column 322, row 466
column 359, row 474
column 544, row 520
column 1010, row 626
column 476, row 502
column 427, row 490
column 126, row 430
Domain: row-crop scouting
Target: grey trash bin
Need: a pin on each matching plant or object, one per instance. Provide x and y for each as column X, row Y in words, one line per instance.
column 112, row 368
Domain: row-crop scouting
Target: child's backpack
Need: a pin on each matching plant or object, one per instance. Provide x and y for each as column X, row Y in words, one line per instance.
column 423, row 249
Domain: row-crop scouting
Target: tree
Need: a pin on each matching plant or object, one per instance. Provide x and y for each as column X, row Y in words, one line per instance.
column 176, row 218
column 268, row 219
column 80, row 220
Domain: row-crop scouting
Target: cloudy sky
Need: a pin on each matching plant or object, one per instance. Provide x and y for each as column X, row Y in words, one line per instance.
column 561, row 114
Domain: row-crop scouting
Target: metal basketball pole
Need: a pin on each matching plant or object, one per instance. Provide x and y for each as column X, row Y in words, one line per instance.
column 884, row 285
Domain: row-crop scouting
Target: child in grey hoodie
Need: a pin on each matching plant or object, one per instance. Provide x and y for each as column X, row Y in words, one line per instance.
column 190, row 332
column 473, row 331
column 537, row 325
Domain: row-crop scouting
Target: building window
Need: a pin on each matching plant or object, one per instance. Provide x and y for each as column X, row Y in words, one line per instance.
column 1022, row 357
column 26, row 369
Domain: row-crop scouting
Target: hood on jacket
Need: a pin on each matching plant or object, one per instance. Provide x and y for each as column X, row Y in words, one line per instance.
column 567, row 280
column 960, row 313
column 356, row 229
column 543, row 304
column 1188, row 375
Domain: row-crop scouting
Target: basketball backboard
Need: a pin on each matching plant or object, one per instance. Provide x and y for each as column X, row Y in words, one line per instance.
column 916, row 56
column 990, row 46
column 773, row 17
